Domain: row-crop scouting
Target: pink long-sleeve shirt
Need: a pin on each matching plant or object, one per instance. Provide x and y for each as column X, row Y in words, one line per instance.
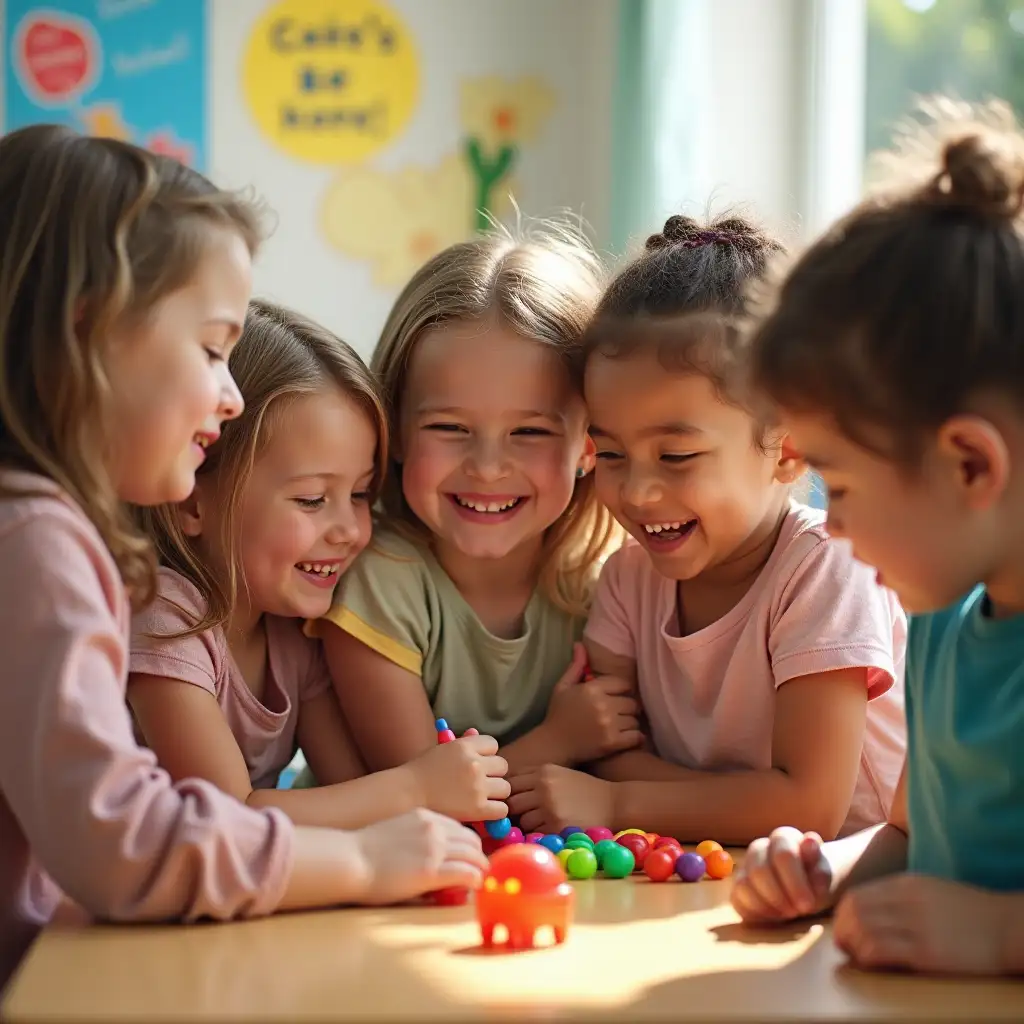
column 85, row 811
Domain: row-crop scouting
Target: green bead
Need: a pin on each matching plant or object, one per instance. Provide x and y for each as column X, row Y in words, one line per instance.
column 581, row 863
column 618, row 862
column 578, row 840
column 602, row 849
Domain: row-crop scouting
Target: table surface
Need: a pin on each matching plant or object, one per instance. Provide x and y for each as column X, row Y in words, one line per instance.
column 637, row 952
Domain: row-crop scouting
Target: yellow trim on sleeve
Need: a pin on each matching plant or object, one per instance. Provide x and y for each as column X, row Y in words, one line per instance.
column 384, row 645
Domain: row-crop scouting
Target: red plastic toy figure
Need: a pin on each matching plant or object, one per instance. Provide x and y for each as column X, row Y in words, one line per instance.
column 525, row 889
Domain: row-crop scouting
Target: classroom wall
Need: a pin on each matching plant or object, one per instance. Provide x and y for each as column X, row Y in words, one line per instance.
column 734, row 134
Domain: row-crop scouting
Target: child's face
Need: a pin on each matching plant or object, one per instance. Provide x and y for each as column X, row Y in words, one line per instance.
column 912, row 526
column 169, row 376
column 679, row 468
column 305, row 513
column 491, row 436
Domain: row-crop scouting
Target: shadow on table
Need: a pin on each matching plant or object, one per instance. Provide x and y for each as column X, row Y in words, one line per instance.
column 818, row 984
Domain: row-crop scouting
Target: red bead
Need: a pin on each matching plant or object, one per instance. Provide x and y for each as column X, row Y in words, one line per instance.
column 660, row 865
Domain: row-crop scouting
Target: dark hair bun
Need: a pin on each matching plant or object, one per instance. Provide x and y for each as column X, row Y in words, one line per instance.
column 984, row 172
column 688, row 234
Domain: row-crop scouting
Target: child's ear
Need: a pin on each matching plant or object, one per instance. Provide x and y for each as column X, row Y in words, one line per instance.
column 190, row 514
column 790, row 465
column 975, row 456
column 589, row 457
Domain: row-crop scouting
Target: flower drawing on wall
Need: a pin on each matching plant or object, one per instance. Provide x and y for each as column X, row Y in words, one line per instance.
column 397, row 220
column 498, row 115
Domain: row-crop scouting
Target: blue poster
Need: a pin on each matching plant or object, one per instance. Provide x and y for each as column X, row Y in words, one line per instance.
column 125, row 69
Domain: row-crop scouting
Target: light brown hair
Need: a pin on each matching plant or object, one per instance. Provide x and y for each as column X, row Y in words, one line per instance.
column 543, row 285
column 913, row 304
column 282, row 356
column 93, row 233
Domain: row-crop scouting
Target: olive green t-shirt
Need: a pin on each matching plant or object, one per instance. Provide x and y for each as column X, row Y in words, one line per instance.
column 398, row 601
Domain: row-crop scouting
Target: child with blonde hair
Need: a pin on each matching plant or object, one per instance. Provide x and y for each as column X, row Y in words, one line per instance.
column 469, row 603
column 768, row 661
column 894, row 350
column 124, row 282
column 223, row 683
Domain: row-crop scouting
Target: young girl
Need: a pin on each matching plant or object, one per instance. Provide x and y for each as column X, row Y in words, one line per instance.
column 768, row 661
column 469, row 602
column 222, row 680
column 124, row 279
column 895, row 349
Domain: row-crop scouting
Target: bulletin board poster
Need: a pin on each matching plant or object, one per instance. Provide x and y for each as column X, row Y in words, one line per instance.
column 133, row 70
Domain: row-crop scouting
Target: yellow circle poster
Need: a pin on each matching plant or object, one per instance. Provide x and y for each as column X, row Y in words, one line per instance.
column 330, row 81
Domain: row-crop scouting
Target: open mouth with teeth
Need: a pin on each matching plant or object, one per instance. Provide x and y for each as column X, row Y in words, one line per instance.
column 202, row 440
column 319, row 570
column 660, row 534
column 486, row 506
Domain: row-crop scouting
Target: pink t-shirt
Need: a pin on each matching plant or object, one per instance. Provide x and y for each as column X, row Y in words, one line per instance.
column 710, row 696
column 83, row 808
column 296, row 672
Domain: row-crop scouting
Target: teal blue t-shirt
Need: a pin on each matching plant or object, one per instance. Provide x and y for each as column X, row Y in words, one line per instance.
column 965, row 745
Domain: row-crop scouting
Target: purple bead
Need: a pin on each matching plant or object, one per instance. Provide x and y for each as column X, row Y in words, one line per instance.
column 690, row 867
column 568, row 831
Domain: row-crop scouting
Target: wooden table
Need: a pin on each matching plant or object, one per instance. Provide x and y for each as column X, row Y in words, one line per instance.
column 637, row 952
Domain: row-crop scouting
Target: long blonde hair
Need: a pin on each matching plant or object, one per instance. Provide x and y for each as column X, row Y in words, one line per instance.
column 544, row 285
column 281, row 356
column 93, row 232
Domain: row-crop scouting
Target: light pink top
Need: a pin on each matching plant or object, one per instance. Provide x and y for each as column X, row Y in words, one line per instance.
column 296, row 672
column 710, row 696
column 83, row 808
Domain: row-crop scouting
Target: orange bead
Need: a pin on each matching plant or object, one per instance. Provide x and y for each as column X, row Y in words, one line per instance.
column 708, row 847
column 718, row 864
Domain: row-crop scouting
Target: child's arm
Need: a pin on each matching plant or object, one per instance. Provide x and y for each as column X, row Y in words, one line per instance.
column 388, row 711
column 326, row 742
column 99, row 816
column 185, row 728
column 817, row 739
column 816, row 743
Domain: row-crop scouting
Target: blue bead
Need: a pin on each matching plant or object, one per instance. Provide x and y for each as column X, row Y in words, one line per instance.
column 553, row 843
column 569, row 830
column 440, row 725
column 498, row 829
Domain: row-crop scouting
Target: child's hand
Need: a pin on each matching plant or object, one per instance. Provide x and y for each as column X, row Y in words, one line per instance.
column 784, row 876
column 594, row 718
column 464, row 779
column 417, row 853
column 917, row 923
column 550, row 798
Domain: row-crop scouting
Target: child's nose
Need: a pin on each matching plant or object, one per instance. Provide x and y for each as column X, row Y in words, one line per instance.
column 487, row 461
column 231, row 402
column 640, row 489
column 345, row 529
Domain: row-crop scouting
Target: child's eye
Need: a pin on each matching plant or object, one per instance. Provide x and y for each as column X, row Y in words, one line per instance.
column 312, row 504
column 361, row 496
column 675, row 458
column 607, row 456
column 532, row 432
column 448, row 428
column 215, row 356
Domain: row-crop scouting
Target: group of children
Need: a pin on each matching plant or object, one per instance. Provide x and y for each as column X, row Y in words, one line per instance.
column 560, row 514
